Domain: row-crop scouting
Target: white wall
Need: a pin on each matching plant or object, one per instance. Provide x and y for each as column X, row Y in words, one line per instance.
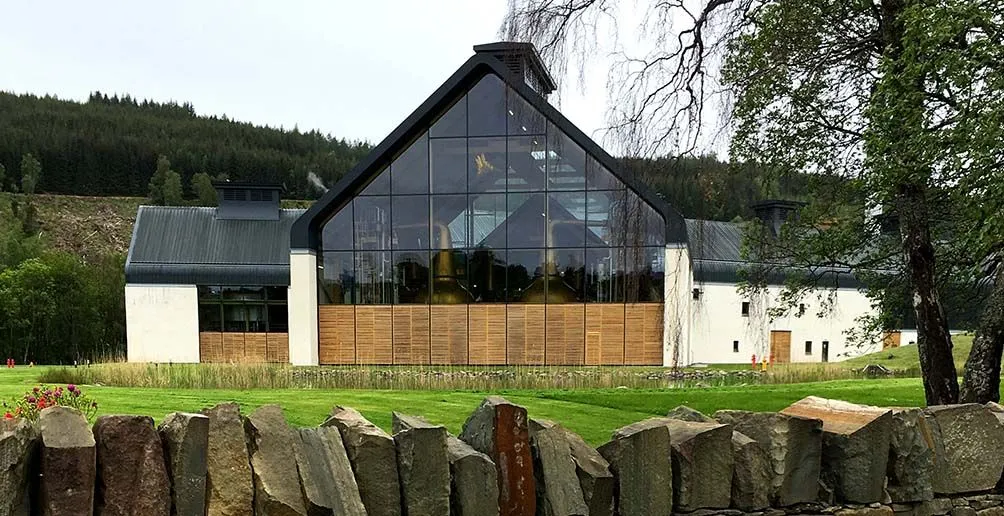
column 303, row 344
column 676, row 308
column 162, row 323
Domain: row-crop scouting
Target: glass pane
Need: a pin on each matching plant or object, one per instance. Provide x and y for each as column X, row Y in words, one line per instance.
column 411, row 221
column 277, row 293
column 256, row 318
column 374, row 278
column 644, row 225
column 487, row 275
column 449, row 277
column 210, row 317
column 278, row 318
column 337, row 231
column 524, row 118
column 372, row 222
column 337, row 280
column 568, row 283
column 487, row 167
column 645, row 274
column 566, row 163
column 243, row 294
column 566, row 219
column 486, row 108
column 526, row 220
column 234, row 318
column 525, row 276
column 604, row 211
column 209, row 293
column 411, row 276
column 605, row 275
column 449, row 221
column 488, row 215
column 453, row 122
column 409, row 174
column 526, row 164
column 380, row 185
column 599, row 178
column 448, row 158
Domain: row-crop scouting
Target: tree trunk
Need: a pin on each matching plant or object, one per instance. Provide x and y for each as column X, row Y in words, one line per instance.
column 982, row 378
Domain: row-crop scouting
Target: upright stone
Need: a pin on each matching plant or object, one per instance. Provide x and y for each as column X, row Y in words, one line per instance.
column 132, row 475
column 702, row 464
column 911, row 459
column 855, row 446
column 639, row 456
column 329, row 487
column 558, row 489
column 423, row 465
column 374, row 461
column 595, row 478
column 229, row 488
column 794, row 446
column 968, row 448
column 186, row 442
column 271, row 445
column 751, row 477
column 18, row 447
column 685, row 413
column 68, row 465
column 498, row 429
column 474, row 488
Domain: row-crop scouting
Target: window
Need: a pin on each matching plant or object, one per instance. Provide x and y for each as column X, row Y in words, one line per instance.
column 808, row 347
column 746, row 308
column 735, row 346
column 696, row 293
column 801, row 309
column 254, row 309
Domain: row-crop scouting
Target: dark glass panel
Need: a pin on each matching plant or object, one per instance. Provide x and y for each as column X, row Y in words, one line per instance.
column 379, row 185
column 409, row 173
column 374, row 278
column 210, row 317
column 525, row 225
column 525, row 276
column 278, row 318
column 411, row 277
column 599, row 178
column 372, row 222
column 453, row 122
column 645, row 274
column 234, row 318
column 449, row 277
column 604, row 218
column 488, row 218
column 277, row 293
column 487, row 275
column 524, row 118
column 449, row 221
column 336, row 233
column 337, row 280
column 566, row 219
column 256, row 318
column 605, row 275
column 570, row 270
column 448, row 158
column 526, row 164
column 486, row 107
column 410, row 215
column 566, row 162
column 232, row 294
column 487, row 166
column 210, row 293
column 643, row 225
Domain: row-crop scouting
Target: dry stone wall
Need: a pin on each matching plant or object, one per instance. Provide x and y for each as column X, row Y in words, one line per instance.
column 818, row 456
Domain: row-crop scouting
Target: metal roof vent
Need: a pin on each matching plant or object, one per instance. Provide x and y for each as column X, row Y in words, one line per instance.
column 247, row 201
column 523, row 61
column 775, row 212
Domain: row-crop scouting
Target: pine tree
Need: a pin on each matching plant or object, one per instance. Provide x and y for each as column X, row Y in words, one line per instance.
column 173, row 193
column 157, row 181
column 3, row 175
column 31, row 172
column 202, row 186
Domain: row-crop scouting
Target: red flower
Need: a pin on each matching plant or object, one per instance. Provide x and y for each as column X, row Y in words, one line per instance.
column 8, row 415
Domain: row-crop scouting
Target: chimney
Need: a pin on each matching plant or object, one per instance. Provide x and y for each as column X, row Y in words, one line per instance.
column 523, row 61
column 247, row 201
column 775, row 212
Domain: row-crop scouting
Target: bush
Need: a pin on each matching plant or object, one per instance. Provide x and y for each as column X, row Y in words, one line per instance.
column 34, row 401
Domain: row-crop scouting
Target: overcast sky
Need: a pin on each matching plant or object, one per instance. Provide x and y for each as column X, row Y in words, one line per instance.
column 351, row 69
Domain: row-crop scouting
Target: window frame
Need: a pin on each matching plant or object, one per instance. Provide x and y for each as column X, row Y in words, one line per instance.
column 220, row 303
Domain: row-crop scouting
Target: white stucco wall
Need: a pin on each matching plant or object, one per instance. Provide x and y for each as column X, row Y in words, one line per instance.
column 676, row 308
column 303, row 345
column 162, row 323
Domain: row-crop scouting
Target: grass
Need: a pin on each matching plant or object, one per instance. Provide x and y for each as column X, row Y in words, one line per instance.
column 904, row 358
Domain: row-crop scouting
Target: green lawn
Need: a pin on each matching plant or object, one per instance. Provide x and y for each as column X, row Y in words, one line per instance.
column 593, row 413
column 905, row 357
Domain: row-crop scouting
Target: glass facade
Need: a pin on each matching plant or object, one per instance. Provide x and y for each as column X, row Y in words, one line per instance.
column 493, row 203
column 251, row 309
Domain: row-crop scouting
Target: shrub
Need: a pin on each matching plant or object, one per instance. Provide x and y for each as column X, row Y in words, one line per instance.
column 41, row 397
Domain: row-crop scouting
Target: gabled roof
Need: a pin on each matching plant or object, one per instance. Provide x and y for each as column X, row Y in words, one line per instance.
column 306, row 231
column 189, row 245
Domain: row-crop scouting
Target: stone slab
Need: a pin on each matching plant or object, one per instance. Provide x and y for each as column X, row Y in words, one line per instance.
column 911, row 458
column 558, row 490
column 499, row 429
column 639, row 457
column 329, row 486
column 186, row 444
column 229, row 487
column 271, row 446
column 474, row 487
column 19, row 441
column 131, row 472
column 68, row 463
column 423, row 465
column 374, row 461
column 968, row 448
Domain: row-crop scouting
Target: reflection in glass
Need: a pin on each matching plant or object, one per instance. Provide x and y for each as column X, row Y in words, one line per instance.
column 566, row 268
column 524, row 118
column 644, row 225
column 411, row 221
column 278, row 318
column 526, row 221
column 337, row 279
column 374, row 277
column 256, row 318
column 378, row 186
column 487, row 275
column 409, row 173
column 372, row 222
column 599, row 178
column 604, row 281
column 487, row 165
column 566, row 163
column 453, row 122
column 449, row 278
column 488, row 217
column 411, row 277
column 645, row 274
column 337, row 231
column 449, row 221
column 604, row 211
column 524, row 267
column 234, row 318
column 526, row 164
column 448, row 159
column 211, row 317
column 566, row 216
column 486, row 108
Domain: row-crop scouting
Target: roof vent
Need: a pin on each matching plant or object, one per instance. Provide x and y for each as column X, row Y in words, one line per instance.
column 523, row 61
column 246, row 201
column 775, row 212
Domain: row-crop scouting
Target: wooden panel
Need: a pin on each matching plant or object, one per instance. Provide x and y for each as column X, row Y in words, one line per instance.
column 374, row 334
column 486, row 337
column 255, row 348
column 210, row 347
column 233, row 347
column 449, row 334
column 277, row 347
column 780, row 346
column 891, row 339
column 605, row 334
column 411, row 334
column 643, row 334
column 565, row 342
column 336, row 326
column 525, row 334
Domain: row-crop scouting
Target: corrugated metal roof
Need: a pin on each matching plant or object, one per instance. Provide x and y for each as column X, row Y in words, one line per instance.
column 190, row 245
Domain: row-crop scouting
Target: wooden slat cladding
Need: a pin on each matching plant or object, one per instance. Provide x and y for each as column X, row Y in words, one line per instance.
column 604, row 334
column 566, row 336
column 449, row 334
column 411, row 334
column 374, row 334
column 255, row 348
column 277, row 347
column 525, row 334
column 643, row 334
column 336, row 334
column 487, row 334
column 233, row 347
column 210, row 347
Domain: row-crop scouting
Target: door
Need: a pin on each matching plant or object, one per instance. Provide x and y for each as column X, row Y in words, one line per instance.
column 826, row 351
column 891, row 339
column 780, row 346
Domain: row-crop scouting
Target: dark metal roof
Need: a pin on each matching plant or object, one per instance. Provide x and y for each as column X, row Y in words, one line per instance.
column 189, row 245
column 524, row 50
column 306, row 230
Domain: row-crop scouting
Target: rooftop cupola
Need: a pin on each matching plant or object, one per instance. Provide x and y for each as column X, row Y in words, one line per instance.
column 523, row 61
column 775, row 212
column 247, row 201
